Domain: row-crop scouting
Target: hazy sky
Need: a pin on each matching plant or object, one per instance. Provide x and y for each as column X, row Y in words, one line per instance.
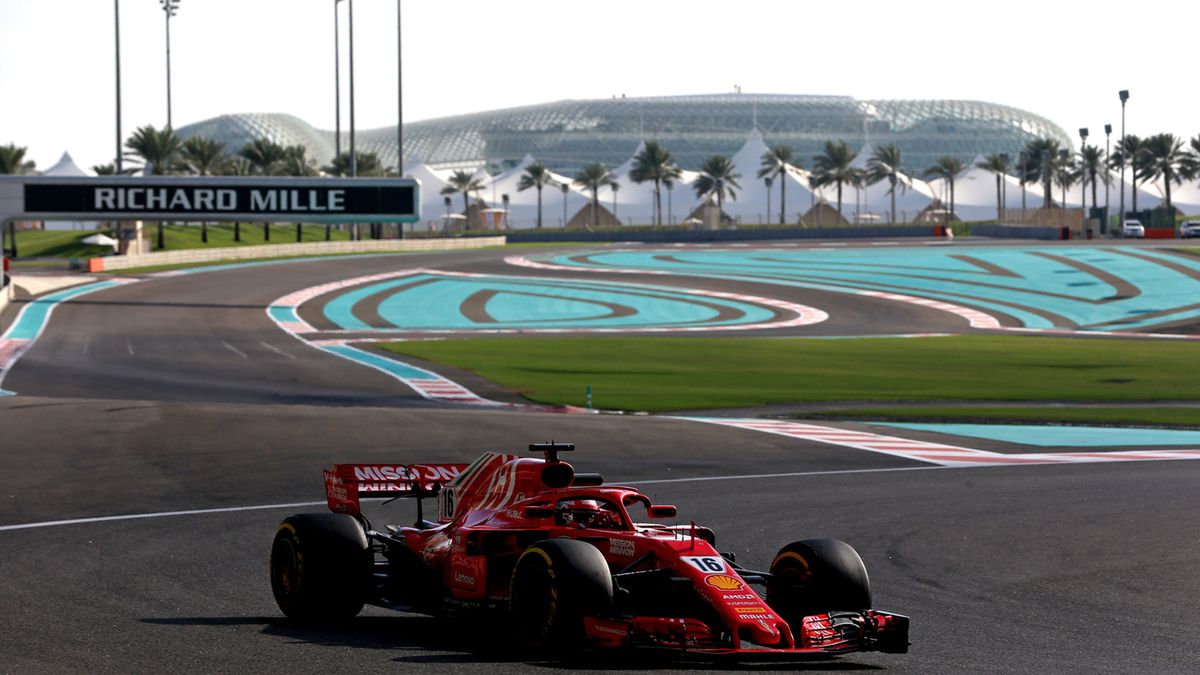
column 1058, row 59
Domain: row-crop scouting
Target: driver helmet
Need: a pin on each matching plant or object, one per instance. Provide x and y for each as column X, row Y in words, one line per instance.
column 582, row 511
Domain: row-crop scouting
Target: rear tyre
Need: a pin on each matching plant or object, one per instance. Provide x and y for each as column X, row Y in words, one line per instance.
column 555, row 584
column 321, row 567
column 816, row 576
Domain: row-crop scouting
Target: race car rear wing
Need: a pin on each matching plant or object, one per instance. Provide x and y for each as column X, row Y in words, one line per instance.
column 345, row 484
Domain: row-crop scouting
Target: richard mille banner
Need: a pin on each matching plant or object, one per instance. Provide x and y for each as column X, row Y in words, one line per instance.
column 185, row 198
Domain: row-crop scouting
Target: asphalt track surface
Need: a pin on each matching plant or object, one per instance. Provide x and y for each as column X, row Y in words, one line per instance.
column 179, row 394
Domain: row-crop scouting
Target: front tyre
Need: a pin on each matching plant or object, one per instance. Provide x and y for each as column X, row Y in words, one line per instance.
column 817, row 576
column 555, row 583
column 321, row 567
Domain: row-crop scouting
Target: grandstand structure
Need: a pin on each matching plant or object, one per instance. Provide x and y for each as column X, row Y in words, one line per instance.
column 568, row 134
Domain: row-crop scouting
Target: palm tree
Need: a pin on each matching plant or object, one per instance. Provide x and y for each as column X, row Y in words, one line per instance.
column 615, row 186
column 998, row 165
column 1041, row 160
column 947, row 168
column 654, row 163
column 235, row 166
column 1091, row 166
column 833, row 167
column 203, row 156
column 1165, row 158
column 536, row 175
column 1065, row 175
column 1192, row 167
column 12, row 160
column 296, row 162
column 776, row 162
column 159, row 150
column 265, row 155
column 1130, row 152
column 717, row 177
column 365, row 164
column 885, row 162
column 592, row 177
column 464, row 182
column 1024, row 172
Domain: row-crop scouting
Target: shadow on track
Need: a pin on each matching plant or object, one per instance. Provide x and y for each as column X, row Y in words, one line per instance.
column 445, row 642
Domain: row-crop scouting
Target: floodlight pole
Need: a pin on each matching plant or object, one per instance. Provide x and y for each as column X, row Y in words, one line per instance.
column 1107, row 176
column 117, row 35
column 767, row 181
column 1003, row 189
column 1083, row 134
column 400, row 101
column 337, row 86
column 1062, row 157
column 1124, row 95
column 169, row 8
column 670, row 185
column 353, row 154
column 1023, row 158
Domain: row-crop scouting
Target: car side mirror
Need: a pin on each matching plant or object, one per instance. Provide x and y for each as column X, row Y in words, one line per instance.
column 662, row 511
column 540, row 511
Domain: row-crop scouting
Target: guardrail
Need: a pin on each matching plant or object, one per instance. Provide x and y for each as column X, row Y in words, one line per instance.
column 743, row 234
column 1021, row 232
column 110, row 263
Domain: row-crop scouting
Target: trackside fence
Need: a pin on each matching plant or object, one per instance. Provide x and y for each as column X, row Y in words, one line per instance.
column 111, row 263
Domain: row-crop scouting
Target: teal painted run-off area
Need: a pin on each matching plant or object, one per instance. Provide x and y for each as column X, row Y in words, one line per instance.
column 436, row 302
column 33, row 317
column 1044, row 287
column 1053, row 436
column 390, row 366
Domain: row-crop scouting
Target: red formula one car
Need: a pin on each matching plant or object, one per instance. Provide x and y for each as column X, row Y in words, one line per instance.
column 568, row 561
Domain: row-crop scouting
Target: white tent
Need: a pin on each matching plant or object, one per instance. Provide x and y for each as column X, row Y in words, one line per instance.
column 1184, row 196
column 635, row 203
column 66, row 166
column 523, row 204
column 975, row 192
column 863, row 157
column 433, row 207
column 750, row 207
column 913, row 195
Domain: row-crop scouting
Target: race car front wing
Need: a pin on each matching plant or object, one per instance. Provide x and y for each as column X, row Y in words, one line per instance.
column 827, row 634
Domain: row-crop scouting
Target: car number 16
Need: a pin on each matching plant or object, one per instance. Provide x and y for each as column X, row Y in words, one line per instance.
column 707, row 564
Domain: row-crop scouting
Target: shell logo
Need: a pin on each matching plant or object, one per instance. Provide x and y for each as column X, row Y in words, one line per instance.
column 724, row 582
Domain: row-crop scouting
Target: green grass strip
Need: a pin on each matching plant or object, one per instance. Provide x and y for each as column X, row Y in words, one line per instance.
column 66, row 243
column 665, row 373
column 1100, row 415
column 58, row 244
